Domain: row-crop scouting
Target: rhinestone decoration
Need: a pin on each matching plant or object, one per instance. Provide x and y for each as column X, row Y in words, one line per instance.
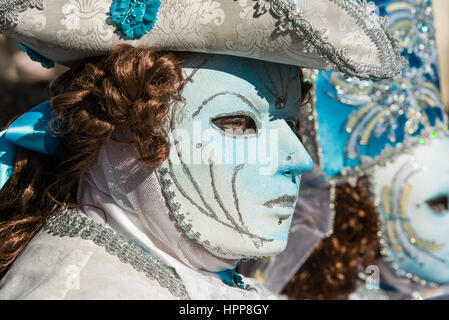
column 291, row 19
column 381, row 106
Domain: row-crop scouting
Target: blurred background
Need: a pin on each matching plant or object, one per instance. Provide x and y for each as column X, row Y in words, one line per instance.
column 24, row 83
column 441, row 13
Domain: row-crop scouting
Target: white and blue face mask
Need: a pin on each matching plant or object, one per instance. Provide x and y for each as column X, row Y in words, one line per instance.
column 233, row 175
column 412, row 192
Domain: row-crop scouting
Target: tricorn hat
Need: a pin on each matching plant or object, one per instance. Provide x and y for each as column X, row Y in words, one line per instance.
column 341, row 35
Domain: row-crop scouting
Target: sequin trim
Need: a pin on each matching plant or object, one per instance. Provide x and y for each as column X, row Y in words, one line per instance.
column 309, row 133
column 292, row 19
column 69, row 223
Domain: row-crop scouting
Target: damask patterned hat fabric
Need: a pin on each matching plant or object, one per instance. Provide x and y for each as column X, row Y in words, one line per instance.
column 343, row 35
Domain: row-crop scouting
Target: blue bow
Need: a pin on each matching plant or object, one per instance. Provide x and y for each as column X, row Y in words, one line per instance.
column 29, row 131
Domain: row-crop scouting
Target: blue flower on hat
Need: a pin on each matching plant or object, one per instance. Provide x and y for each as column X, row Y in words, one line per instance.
column 135, row 17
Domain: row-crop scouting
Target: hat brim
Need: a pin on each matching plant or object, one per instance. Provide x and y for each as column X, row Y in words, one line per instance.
column 343, row 35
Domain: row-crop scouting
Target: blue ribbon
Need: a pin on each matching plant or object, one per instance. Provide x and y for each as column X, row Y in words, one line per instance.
column 29, row 131
column 231, row 278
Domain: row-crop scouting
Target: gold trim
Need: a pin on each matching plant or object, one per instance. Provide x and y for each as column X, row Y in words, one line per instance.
column 407, row 227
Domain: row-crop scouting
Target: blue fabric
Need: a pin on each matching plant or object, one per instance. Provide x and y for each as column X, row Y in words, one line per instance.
column 336, row 104
column 135, row 18
column 231, row 278
column 29, row 131
column 7, row 157
column 46, row 63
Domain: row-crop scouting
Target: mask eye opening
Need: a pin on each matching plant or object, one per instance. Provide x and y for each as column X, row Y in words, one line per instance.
column 438, row 204
column 235, row 125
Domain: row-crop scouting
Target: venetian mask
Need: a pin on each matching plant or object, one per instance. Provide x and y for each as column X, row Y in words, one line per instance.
column 412, row 193
column 233, row 175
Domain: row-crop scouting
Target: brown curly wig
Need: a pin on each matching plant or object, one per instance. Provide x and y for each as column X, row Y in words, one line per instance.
column 331, row 272
column 129, row 85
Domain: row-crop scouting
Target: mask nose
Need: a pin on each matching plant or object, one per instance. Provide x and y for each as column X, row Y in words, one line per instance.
column 293, row 157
